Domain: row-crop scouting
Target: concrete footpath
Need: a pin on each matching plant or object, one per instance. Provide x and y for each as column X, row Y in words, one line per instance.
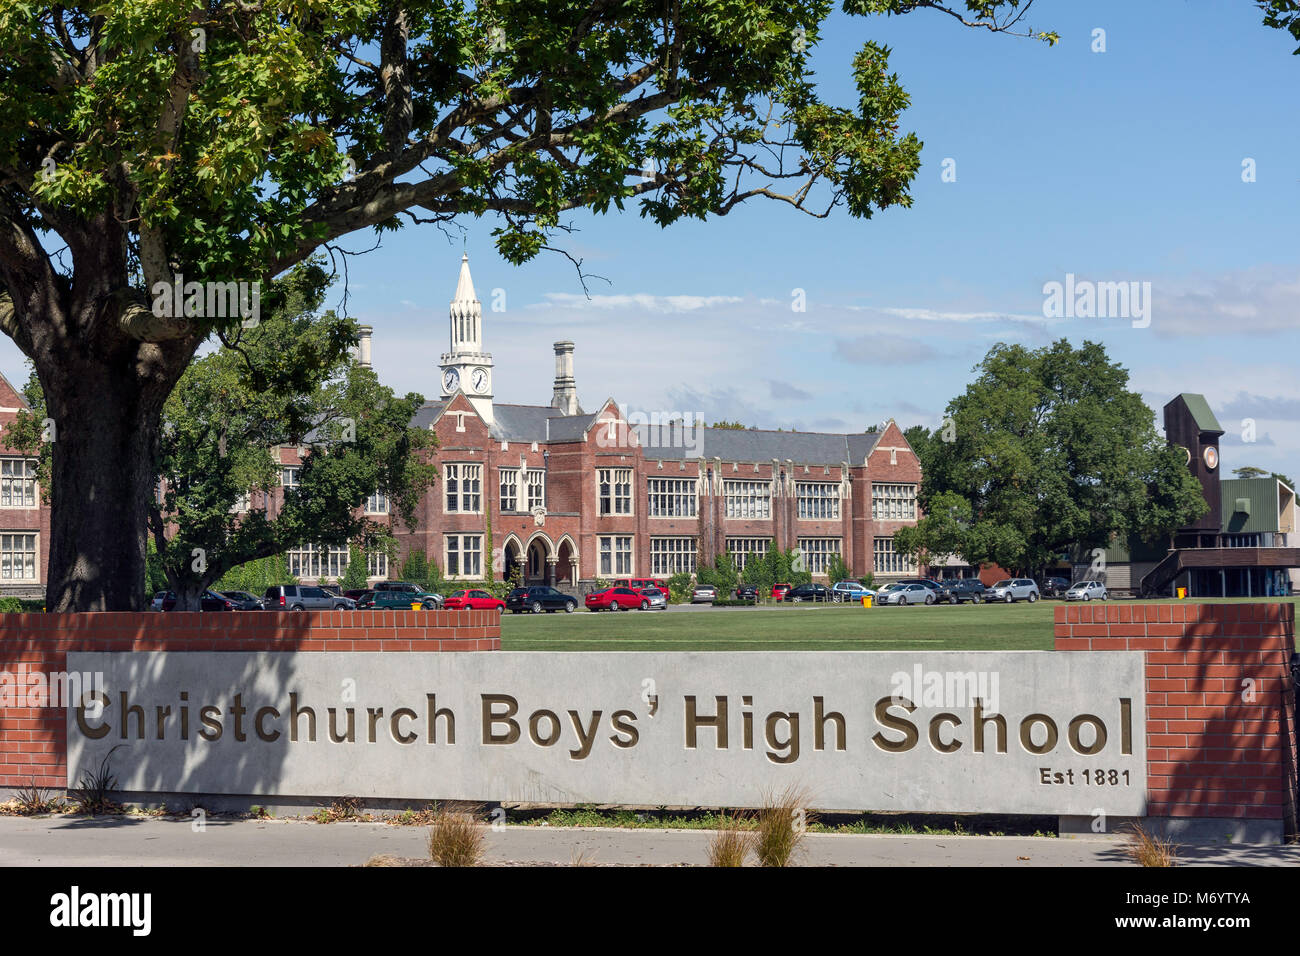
column 135, row 841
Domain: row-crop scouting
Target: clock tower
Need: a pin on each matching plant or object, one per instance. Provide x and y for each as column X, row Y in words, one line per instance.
column 467, row 367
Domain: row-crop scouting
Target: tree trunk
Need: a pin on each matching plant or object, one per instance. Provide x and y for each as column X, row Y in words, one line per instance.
column 104, row 413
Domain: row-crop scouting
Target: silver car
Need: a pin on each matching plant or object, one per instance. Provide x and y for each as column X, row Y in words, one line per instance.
column 850, row 591
column 652, row 599
column 703, row 594
column 1010, row 590
column 1086, row 591
column 904, row 594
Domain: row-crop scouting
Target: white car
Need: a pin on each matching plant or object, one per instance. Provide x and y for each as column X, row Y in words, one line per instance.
column 1086, row 591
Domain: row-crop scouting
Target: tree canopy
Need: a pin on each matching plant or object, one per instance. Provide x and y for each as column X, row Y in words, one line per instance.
column 1050, row 450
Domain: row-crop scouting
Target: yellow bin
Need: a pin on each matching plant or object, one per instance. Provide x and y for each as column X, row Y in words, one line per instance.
column 866, row 600
column 1182, row 592
column 416, row 605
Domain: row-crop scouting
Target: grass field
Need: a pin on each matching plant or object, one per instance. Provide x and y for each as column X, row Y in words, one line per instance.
column 965, row 627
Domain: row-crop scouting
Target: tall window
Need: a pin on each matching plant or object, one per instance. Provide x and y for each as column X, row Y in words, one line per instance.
column 318, row 561
column 672, row 556
column 377, row 504
column 816, row 553
column 744, row 550
column 465, row 555
column 289, row 476
column 18, row 557
column 377, row 565
column 672, row 497
column 818, row 500
column 747, row 499
column 615, row 555
column 509, row 486
column 893, row 502
column 242, row 503
column 464, row 484
column 887, row 561
column 17, row 483
column 536, row 478
column 615, row 487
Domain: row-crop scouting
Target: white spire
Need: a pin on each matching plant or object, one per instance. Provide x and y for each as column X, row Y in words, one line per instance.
column 466, row 314
column 464, row 284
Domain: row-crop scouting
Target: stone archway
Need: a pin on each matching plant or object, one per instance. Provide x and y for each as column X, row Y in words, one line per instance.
column 512, row 554
column 566, row 565
column 539, row 560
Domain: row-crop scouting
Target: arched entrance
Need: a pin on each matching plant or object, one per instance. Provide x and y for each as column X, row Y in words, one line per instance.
column 566, row 568
column 536, row 569
column 513, row 555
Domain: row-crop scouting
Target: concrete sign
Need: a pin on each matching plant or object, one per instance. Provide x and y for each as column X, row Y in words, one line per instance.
column 993, row 732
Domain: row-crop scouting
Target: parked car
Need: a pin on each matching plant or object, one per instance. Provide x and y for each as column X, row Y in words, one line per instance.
column 211, row 601
column 905, row 594
column 704, row 594
column 538, row 598
column 304, row 597
column 747, row 592
column 638, row 584
column 474, row 600
column 808, row 592
column 356, row 593
column 930, row 583
column 1086, row 591
column 156, row 603
column 398, row 601
column 778, row 590
column 333, row 589
column 853, row 591
column 656, row 598
column 962, row 589
column 1053, row 587
column 616, row 599
column 243, row 600
column 1010, row 590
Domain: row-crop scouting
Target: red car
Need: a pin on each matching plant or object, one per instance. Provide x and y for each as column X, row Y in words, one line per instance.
column 614, row 599
column 474, row 600
column 640, row 584
column 778, row 591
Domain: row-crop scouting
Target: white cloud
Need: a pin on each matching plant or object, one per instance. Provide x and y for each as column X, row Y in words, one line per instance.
column 643, row 301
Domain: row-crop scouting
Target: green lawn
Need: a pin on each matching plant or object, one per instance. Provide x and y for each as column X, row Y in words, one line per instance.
column 966, row 627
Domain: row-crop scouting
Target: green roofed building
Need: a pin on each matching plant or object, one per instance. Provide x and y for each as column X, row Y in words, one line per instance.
column 1245, row 545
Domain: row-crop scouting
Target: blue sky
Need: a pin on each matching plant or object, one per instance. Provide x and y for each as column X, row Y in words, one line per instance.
column 1117, row 166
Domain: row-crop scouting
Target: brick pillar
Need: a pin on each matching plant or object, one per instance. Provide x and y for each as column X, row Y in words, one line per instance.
column 1221, row 710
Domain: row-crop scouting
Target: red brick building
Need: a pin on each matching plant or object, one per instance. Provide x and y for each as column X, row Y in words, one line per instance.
column 24, row 520
column 573, row 495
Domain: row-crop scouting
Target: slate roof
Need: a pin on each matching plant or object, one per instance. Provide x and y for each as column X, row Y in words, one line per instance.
column 759, row 445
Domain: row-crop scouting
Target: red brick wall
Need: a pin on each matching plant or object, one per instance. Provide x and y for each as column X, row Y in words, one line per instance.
column 1210, row 752
column 33, row 741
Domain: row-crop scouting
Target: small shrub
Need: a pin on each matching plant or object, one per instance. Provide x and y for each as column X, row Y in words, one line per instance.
column 782, row 823
column 32, row 800
column 259, row 812
column 456, row 839
column 93, row 793
column 731, row 843
column 581, row 858
column 344, row 808
column 1147, row 849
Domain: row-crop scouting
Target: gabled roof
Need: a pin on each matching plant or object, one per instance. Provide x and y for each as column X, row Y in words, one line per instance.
column 1201, row 414
column 759, row 445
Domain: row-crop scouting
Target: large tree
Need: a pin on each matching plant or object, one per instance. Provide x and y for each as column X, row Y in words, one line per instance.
column 147, row 143
column 1051, row 450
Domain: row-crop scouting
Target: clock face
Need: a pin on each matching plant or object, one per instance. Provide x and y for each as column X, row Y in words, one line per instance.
column 450, row 379
column 479, row 379
column 1211, row 456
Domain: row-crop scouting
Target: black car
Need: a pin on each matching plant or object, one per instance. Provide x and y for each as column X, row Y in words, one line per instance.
column 1053, row 587
column 747, row 592
column 244, row 601
column 808, row 592
column 930, row 583
column 539, row 598
column 211, row 601
column 963, row 589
